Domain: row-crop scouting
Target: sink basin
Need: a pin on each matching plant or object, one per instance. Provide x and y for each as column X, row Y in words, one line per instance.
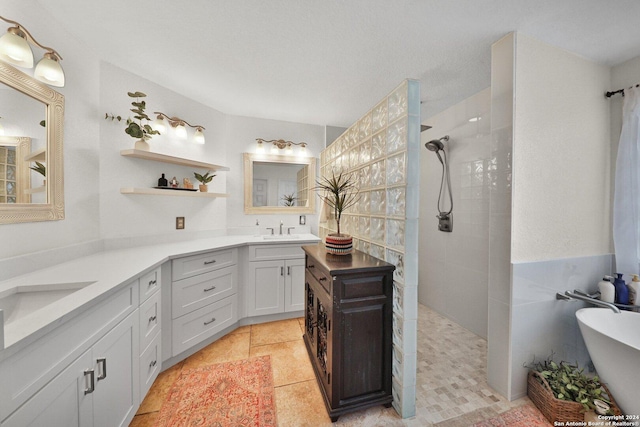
column 280, row 236
column 21, row 301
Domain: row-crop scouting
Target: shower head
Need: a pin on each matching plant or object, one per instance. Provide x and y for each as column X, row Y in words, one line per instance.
column 436, row 144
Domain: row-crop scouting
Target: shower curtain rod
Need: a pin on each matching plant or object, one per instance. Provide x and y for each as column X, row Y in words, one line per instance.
column 610, row 94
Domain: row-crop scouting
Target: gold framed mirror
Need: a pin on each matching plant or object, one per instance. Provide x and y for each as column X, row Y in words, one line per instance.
column 48, row 206
column 275, row 184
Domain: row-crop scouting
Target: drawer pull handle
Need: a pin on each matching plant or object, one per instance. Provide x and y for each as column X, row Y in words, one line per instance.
column 210, row 289
column 92, row 382
column 102, row 361
column 322, row 279
column 288, row 271
column 152, row 319
column 210, row 322
column 152, row 282
column 152, row 364
column 311, row 266
column 282, row 271
column 210, row 262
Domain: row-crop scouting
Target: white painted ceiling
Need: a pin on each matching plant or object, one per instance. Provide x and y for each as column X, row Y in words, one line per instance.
column 329, row 61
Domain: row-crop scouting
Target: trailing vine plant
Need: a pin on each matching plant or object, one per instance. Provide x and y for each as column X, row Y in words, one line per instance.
column 140, row 129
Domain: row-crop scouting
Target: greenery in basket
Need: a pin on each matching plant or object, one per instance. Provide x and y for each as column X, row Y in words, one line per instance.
column 204, row 179
column 140, row 129
column 40, row 168
column 339, row 193
column 289, row 200
column 569, row 383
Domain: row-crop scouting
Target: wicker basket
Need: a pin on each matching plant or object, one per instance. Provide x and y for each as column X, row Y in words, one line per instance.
column 555, row 409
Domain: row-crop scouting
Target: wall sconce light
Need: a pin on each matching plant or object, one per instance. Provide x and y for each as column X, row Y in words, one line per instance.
column 281, row 144
column 179, row 125
column 15, row 49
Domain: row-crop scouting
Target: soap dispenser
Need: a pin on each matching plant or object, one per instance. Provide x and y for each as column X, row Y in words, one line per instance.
column 634, row 290
column 622, row 293
column 607, row 290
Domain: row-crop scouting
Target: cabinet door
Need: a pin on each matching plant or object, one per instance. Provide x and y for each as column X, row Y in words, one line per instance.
column 62, row 402
column 265, row 290
column 294, row 285
column 116, row 365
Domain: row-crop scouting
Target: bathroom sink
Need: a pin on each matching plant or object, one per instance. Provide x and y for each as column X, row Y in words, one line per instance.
column 21, row 301
column 280, row 236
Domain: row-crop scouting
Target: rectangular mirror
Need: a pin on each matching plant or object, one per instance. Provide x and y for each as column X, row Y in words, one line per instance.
column 279, row 184
column 32, row 117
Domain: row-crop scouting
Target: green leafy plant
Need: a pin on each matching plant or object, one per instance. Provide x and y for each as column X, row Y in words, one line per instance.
column 204, row 179
column 40, row 168
column 568, row 382
column 339, row 193
column 140, row 129
column 289, row 199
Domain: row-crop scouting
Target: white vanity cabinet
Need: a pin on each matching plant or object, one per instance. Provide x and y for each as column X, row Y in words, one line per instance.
column 83, row 373
column 275, row 282
column 203, row 297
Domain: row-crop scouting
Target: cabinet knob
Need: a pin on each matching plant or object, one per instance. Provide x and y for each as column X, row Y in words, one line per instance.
column 92, row 381
column 102, row 361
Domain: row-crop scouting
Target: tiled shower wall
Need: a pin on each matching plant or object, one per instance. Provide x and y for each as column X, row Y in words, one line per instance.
column 382, row 150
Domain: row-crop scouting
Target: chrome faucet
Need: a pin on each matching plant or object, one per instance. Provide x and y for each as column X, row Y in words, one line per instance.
column 281, row 224
column 579, row 295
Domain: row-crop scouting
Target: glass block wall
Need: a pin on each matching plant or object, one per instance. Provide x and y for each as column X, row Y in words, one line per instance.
column 382, row 150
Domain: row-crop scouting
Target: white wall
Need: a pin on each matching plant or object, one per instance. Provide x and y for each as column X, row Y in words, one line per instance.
column 241, row 138
column 81, row 139
column 561, row 155
column 454, row 268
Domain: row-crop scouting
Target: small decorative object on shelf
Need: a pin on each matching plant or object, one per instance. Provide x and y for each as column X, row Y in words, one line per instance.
column 339, row 193
column 141, row 129
column 186, row 183
column 204, row 180
column 162, row 181
column 174, row 182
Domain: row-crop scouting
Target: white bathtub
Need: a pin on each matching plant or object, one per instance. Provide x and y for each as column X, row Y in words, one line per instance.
column 613, row 341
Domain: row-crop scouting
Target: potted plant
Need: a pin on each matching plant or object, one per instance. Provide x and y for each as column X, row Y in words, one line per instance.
column 204, row 180
column 41, row 169
column 339, row 193
column 141, row 129
column 289, row 200
column 563, row 392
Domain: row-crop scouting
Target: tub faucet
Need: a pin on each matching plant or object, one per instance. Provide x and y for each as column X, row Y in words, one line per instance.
column 281, row 224
column 579, row 295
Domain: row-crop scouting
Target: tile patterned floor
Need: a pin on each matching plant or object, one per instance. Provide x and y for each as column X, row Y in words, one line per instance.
column 442, row 398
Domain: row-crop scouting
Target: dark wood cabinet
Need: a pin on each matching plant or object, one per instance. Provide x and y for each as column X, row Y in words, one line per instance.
column 348, row 321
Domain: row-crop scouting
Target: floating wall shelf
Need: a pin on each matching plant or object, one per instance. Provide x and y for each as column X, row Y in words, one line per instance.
column 148, row 155
column 37, row 156
column 160, row 192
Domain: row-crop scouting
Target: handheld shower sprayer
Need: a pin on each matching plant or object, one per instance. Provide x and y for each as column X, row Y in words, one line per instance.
column 445, row 219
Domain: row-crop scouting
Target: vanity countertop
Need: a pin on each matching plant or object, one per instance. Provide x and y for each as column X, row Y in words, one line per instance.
column 108, row 271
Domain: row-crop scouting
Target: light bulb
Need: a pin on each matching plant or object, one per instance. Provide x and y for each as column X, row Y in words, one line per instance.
column 302, row 152
column 158, row 124
column 181, row 131
column 15, row 49
column 49, row 70
column 289, row 150
column 274, row 149
column 259, row 148
column 198, row 137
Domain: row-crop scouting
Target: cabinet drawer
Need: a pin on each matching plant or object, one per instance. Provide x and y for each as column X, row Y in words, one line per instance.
column 203, row 323
column 198, row 291
column 202, row 263
column 149, row 320
column 150, row 364
column 149, row 283
column 313, row 272
column 275, row 252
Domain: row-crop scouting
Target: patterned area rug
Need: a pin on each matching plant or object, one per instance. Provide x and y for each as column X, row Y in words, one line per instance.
column 522, row 416
column 227, row 394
